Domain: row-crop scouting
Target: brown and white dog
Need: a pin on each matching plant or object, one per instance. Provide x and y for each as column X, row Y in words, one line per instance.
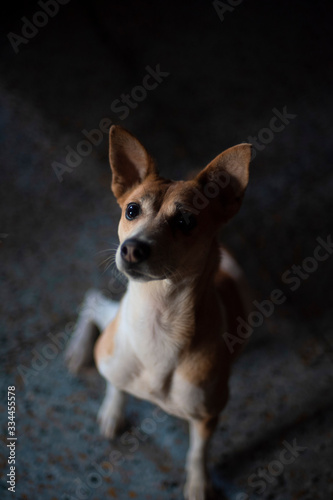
column 164, row 341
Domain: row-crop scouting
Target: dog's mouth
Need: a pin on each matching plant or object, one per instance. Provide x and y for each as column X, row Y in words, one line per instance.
column 134, row 259
column 140, row 275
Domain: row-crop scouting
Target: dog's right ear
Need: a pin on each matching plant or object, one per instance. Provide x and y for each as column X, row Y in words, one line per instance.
column 130, row 162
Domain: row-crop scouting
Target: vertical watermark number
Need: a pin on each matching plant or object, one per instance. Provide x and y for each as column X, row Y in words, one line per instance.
column 11, row 445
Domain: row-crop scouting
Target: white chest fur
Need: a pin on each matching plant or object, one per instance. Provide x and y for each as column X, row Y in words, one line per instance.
column 148, row 343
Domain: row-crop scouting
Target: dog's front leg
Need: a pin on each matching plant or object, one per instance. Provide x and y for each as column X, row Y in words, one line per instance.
column 197, row 485
column 110, row 415
column 96, row 312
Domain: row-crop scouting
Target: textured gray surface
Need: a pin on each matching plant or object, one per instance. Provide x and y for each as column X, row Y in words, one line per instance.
column 225, row 80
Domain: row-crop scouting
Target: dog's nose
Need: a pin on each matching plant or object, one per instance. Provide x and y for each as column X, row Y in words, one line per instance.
column 134, row 251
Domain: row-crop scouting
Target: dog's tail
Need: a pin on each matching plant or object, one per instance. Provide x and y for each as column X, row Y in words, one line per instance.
column 96, row 312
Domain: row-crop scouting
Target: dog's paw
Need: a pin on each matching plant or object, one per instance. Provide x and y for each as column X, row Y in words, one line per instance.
column 75, row 359
column 109, row 422
column 79, row 351
column 197, row 489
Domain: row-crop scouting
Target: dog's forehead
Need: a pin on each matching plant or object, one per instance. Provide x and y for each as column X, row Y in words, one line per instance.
column 164, row 195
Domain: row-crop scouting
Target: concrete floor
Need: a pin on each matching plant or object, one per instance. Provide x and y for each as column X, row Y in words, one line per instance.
column 227, row 80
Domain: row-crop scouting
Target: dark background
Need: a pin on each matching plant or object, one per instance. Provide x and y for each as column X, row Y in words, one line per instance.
column 226, row 78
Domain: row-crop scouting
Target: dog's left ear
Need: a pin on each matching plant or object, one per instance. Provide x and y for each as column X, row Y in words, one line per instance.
column 224, row 180
column 130, row 162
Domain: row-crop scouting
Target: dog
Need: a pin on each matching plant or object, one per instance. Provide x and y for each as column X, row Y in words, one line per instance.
column 164, row 341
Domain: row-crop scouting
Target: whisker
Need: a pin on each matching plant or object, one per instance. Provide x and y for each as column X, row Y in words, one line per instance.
column 109, row 265
column 108, row 258
column 107, row 250
column 173, row 271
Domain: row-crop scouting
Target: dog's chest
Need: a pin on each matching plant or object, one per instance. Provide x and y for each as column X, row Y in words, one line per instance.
column 144, row 363
column 149, row 344
column 143, row 366
column 158, row 384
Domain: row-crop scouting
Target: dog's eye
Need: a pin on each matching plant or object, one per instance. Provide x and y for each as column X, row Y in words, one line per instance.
column 132, row 211
column 185, row 221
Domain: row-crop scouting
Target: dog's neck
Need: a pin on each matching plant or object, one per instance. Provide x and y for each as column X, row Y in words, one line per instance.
column 174, row 305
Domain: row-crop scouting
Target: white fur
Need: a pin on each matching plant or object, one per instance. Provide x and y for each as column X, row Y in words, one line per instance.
column 95, row 310
column 145, row 358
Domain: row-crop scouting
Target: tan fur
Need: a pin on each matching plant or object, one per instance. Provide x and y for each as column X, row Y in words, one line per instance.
column 206, row 427
column 232, row 300
column 105, row 343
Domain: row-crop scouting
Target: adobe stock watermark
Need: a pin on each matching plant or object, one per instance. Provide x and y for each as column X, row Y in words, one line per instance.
column 219, row 181
column 121, row 107
column 292, row 277
column 130, row 442
column 40, row 19
column 116, row 286
column 265, row 136
column 263, row 476
column 42, row 355
column 222, row 8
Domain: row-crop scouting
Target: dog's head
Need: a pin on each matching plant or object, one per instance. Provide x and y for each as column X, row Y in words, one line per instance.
column 167, row 227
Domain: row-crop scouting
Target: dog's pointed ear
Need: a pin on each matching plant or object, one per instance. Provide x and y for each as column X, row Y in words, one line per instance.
column 224, row 180
column 130, row 162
